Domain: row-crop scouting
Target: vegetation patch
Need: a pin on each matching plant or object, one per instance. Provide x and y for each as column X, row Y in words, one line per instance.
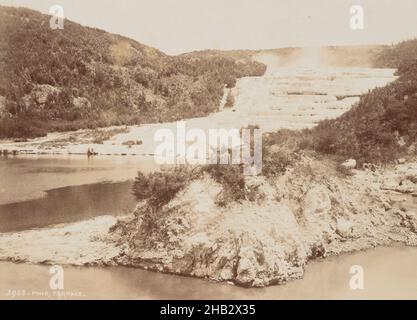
column 159, row 188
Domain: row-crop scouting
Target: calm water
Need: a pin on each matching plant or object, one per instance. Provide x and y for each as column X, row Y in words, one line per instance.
column 389, row 273
column 29, row 177
column 42, row 191
column 68, row 204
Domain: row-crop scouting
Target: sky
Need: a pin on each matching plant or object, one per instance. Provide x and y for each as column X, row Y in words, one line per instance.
column 177, row 26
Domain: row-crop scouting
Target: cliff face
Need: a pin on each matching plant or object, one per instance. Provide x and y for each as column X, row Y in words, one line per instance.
column 307, row 213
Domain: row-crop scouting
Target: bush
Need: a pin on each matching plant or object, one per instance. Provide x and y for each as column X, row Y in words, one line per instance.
column 231, row 178
column 159, row 188
column 280, row 150
column 276, row 162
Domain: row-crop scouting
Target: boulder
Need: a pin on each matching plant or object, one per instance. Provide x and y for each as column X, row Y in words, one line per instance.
column 349, row 164
column 343, row 227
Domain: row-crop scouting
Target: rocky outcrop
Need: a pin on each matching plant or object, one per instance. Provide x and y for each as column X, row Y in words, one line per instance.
column 197, row 238
column 305, row 214
column 349, row 164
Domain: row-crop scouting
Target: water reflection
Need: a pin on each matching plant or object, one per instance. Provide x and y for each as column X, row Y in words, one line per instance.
column 68, row 204
column 28, row 177
column 38, row 191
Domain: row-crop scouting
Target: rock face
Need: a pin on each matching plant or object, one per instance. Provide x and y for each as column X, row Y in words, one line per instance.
column 303, row 215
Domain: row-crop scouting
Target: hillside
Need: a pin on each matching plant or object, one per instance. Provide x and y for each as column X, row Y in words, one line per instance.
column 383, row 126
column 397, row 56
column 81, row 77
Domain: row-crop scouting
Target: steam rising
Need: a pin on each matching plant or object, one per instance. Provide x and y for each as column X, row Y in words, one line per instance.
column 310, row 57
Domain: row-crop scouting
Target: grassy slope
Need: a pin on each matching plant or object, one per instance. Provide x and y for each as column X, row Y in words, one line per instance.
column 83, row 77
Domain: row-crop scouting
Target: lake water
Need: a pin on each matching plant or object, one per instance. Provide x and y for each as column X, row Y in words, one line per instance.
column 40, row 191
column 389, row 273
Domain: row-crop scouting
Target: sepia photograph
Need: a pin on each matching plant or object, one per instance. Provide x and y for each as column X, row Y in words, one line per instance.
column 191, row 150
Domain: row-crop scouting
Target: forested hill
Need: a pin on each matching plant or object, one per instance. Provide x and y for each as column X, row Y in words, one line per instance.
column 82, row 77
column 383, row 126
column 398, row 56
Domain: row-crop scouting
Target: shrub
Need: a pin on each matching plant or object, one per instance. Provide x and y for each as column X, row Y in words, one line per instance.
column 231, row 178
column 275, row 162
column 279, row 150
column 158, row 188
